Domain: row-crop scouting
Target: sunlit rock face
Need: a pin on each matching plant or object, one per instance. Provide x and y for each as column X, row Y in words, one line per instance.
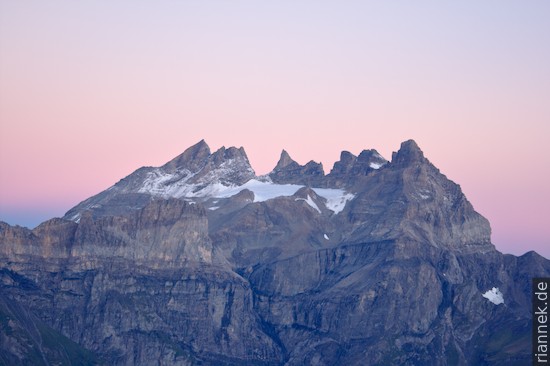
column 200, row 261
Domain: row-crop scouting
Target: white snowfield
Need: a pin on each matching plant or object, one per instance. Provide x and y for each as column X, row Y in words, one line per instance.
column 376, row 165
column 175, row 185
column 494, row 295
column 310, row 202
column 263, row 191
column 336, row 198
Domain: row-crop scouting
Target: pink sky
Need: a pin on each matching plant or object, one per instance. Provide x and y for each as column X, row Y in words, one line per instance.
column 90, row 91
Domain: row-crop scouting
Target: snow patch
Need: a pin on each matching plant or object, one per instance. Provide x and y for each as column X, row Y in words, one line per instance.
column 75, row 218
column 263, row 191
column 494, row 295
column 376, row 165
column 166, row 185
column 424, row 194
column 336, row 198
column 326, row 237
column 310, row 202
column 160, row 183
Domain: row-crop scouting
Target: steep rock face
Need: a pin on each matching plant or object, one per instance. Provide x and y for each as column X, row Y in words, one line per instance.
column 195, row 263
column 139, row 289
column 287, row 171
column 26, row 340
column 163, row 233
column 192, row 159
column 411, row 199
column 191, row 174
column 397, row 303
column 275, row 229
column 17, row 240
column 351, row 168
column 129, row 314
column 52, row 240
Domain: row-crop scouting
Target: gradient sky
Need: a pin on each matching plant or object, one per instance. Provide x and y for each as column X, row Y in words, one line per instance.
column 92, row 90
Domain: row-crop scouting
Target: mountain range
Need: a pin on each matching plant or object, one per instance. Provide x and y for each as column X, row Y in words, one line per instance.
column 202, row 262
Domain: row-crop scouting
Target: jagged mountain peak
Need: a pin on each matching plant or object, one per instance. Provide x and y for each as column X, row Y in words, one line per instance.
column 408, row 153
column 346, row 157
column 371, row 158
column 228, row 166
column 204, row 262
column 370, row 154
column 230, row 153
column 350, row 167
column 199, row 156
column 198, row 165
column 289, row 171
column 199, row 175
column 284, row 161
column 194, row 173
column 192, row 159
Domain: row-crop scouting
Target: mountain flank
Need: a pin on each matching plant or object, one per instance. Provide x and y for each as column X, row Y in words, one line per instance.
column 202, row 262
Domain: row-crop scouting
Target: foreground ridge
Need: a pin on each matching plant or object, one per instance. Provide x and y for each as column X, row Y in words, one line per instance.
column 201, row 261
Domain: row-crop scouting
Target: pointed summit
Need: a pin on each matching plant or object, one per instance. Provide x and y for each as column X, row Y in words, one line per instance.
column 371, row 159
column 284, row 161
column 193, row 159
column 227, row 166
column 344, row 165
column 350, row 168
column 408, row 153
column 224, row 153
column 289, row 171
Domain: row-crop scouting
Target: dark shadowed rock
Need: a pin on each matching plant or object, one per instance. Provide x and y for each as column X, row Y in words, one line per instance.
column 343, row 166
column 411, row 199
column 409, row 153
column 26, row 340
column 200, row 262
column 192, row 159
column 350, row 168
column 287, row 171
column 284, row 161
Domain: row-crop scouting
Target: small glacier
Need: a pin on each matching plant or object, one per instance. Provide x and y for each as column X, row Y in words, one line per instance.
column 494, row 295
column 167, row 185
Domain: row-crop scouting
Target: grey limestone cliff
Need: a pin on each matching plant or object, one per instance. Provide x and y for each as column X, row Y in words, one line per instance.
column 200, row 262
column 287, row 171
